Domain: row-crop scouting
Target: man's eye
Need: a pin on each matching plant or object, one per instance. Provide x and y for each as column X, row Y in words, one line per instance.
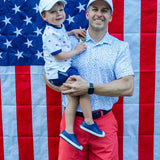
column 105, row 10
column 94, row 9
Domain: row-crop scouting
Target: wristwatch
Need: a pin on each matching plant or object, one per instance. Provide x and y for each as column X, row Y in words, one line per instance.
column 91, row 88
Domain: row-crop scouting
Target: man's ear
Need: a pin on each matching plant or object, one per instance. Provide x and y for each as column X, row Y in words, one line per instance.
column 87, row 15
column 110, row 18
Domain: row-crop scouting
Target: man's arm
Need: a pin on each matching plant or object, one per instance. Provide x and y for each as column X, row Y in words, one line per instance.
column 52, row 86
column 56, row 88
column 120, row 87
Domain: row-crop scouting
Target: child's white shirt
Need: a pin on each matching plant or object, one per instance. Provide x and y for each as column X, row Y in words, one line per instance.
column 55, row 40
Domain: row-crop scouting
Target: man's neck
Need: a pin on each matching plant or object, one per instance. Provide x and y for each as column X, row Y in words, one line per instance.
column 96, row 35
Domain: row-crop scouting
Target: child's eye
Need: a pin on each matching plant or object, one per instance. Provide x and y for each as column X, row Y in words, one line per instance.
column 52, row 11
column 61, row 10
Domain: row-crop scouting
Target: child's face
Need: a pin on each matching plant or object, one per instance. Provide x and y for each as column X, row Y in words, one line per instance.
column 55, row 16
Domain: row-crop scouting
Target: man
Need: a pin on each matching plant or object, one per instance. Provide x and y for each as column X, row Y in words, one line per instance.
column 107, row 73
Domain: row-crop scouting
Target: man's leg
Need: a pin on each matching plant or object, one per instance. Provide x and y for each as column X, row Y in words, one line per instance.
column 105, row 148
column 94, row 148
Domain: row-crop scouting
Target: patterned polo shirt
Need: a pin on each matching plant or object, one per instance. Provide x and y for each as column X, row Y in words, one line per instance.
column 101, row 63
column 55, row 40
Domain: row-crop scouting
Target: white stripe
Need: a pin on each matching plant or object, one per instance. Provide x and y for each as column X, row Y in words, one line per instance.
column 157, row 92
column 9, row 117
column 132, row 14
column 39, row 114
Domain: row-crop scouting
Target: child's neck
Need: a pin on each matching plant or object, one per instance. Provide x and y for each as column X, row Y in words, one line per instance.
column 54, row 26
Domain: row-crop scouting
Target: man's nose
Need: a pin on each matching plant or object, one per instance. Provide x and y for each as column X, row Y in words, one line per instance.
column 99, row 13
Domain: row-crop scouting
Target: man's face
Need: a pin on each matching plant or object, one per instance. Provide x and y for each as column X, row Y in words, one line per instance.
column 99, row 15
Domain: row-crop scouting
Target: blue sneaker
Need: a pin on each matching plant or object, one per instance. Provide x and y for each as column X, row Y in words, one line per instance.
column 71, row 139
column 93, row 129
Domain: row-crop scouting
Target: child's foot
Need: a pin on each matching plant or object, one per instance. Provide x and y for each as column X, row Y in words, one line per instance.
column 93, row 129
column 71, row 139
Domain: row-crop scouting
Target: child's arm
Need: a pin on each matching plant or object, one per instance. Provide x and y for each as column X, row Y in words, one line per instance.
column 77, row 33
column 66, row 55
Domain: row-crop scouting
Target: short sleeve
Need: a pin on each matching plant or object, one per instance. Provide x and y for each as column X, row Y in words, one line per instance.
column 123, row 65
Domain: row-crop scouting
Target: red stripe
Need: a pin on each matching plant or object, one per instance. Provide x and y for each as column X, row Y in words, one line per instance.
column 118, row 112
column 1, row 129
column 147, row 78
column 24, row 112
column 116, row 28
column 54, row 113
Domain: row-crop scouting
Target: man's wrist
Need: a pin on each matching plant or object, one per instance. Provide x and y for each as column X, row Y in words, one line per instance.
column 91, row 88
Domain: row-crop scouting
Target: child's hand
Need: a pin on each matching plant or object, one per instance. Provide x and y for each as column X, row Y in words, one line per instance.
column 77, row 33
column 80, row 47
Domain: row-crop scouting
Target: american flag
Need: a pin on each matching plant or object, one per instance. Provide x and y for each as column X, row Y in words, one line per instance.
column 30, row 112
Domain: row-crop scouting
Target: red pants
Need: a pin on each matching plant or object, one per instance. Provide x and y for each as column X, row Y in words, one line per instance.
column 94, row 148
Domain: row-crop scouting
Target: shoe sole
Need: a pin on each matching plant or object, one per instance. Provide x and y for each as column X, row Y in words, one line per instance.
column 71, row 143
column 87, row 130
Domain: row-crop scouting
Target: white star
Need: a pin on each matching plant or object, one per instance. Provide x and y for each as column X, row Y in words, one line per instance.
column 19, row 54
column 28, row 20
column 7, row 21
column 81, row 7
column 70, row 19
column 39, row 54
column 8, row 43
column 18, row 32
column 28, row 43
column 81, row 28
column 36, row 8
column 38, row 31
column 1, row 55
column 16, row 8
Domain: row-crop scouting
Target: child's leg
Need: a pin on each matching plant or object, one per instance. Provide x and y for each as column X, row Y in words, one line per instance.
column 85, row 104
column 88, row 124
column 68, row 134
column 70, row 113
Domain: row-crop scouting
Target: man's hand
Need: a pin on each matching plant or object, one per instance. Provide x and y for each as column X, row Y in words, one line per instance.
column 76, row 86
column 77, row 33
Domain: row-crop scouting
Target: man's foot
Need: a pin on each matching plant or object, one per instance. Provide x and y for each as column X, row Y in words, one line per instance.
column 93, row 129
column 71, row 139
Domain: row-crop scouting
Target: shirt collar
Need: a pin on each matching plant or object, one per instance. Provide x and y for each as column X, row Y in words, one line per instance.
column 55, row 26
column 106, row 39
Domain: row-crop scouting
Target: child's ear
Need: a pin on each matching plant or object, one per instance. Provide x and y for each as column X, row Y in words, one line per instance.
column 43, row 16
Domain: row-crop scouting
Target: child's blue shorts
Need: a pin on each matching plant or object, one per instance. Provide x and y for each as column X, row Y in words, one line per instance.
column 63, row 76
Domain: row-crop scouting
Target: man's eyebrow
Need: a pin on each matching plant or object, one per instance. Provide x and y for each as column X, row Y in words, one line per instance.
column 106, row 7
column 93, row 6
